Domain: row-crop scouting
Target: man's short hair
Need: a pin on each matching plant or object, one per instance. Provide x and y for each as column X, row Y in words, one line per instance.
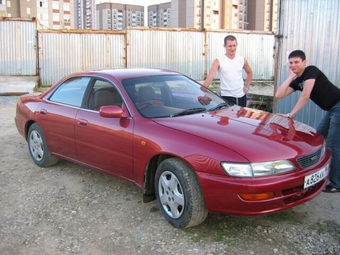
column 297, row 54
column 229, row 38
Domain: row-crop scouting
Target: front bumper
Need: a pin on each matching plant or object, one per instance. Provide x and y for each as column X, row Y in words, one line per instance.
column 222, row 194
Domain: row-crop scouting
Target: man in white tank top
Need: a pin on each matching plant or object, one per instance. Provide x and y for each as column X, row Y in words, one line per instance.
column 230, row 66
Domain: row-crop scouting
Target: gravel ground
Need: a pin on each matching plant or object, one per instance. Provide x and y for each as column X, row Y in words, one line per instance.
column 69, row 209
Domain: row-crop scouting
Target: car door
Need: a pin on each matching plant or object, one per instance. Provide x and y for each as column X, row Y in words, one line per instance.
column 104, row 143
column 57, row 116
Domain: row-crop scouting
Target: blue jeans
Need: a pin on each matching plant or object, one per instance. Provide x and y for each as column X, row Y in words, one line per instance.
column 329, row 127
column 241, row 101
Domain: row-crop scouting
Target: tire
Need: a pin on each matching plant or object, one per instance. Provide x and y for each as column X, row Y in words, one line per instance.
column 179, row 195
column 38, row 148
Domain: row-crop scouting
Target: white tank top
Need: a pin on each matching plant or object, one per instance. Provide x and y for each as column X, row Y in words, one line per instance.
column 231, row 79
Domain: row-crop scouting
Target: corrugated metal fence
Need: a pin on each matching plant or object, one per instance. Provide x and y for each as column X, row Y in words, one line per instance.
column 62, row 53
column 55, row 53
column 18, row 47
column 180, row 50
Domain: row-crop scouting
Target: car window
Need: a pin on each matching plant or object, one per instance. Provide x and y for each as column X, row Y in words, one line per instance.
column 168, row 95
column 103, row 93
column 71, row 92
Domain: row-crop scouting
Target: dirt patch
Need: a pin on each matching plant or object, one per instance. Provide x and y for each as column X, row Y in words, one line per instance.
column 70, row 209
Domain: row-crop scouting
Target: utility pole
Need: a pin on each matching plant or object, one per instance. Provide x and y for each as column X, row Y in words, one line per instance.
column 203, row 15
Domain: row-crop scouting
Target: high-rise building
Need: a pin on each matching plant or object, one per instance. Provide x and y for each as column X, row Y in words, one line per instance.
column 85, row 11
column 10, row 8
column 209, row 14
column 235, row 14
column 159, row 15
column 3, row 9
column 263, row 15
column 49, row 13
column 260, row 15
column 119, row 16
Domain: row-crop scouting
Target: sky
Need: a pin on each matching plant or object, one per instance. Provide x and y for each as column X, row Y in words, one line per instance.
column 135, row 2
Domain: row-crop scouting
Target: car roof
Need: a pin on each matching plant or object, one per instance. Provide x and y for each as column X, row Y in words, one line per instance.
column 123, row 73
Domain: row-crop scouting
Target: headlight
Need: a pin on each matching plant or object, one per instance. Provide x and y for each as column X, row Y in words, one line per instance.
column 258, row 169
column 323, row 150
column 239, row 170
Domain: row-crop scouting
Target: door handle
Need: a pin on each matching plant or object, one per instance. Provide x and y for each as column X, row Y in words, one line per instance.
column 82, row 122
column 43, row 111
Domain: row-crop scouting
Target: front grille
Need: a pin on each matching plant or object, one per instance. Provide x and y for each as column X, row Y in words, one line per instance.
column 309, row 160
column 298, row 193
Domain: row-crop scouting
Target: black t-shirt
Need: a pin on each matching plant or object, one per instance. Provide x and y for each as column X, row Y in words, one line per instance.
column 324, row 93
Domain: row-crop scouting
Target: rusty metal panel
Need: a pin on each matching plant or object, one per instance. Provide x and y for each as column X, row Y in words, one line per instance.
column 256, row 47
column 311, row 26
column 18, row 51
column 61, row 53
column 180, row 50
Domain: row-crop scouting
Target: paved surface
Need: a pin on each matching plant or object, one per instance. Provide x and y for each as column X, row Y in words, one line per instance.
column 67, row 209
column 17, row 85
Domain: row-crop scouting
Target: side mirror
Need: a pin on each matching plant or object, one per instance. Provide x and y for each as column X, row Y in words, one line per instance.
column 111, row 111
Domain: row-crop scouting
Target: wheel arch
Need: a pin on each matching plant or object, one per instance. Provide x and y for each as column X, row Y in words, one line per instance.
column 149, row 176
column 150, row 172
column 27, row 127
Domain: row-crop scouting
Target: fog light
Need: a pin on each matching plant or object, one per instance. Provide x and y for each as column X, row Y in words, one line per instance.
column 257, row 196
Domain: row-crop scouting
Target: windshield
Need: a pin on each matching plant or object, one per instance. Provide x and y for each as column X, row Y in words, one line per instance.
column 170, row 96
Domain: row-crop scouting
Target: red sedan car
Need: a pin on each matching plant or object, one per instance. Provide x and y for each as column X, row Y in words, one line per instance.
column 181, row 144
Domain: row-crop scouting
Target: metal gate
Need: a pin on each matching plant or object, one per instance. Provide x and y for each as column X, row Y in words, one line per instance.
column 18, row 51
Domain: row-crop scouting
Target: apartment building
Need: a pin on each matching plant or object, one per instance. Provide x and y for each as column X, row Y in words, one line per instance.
column 260, row 15
column 159, row 15
column 114, row 16
column 263, row 15
column 209, row 14
column 85, row 11
column 10, row 8
column 49, row 13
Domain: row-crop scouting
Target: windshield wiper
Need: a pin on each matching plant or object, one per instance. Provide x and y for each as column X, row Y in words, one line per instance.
column 188, row 111
column 219, row 106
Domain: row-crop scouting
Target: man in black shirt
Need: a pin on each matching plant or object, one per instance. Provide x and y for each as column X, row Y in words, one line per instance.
column 314, row 85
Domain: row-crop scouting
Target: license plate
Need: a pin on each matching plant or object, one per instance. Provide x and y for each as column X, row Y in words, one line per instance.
column 315, row 177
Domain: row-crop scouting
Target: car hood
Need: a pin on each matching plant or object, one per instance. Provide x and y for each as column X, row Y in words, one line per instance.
column 255, row 134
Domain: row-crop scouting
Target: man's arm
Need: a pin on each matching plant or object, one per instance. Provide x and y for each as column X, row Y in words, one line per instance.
column 304, row 97
column 213, row 70
column 284, row 90
column 249, row 78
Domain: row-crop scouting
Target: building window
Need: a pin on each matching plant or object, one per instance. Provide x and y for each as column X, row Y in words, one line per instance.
column 56, row 17
column 55, row 6
column 67, row 19
column 66, row 6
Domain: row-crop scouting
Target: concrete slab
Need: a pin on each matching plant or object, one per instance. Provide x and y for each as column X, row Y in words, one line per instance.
column 17, row 85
